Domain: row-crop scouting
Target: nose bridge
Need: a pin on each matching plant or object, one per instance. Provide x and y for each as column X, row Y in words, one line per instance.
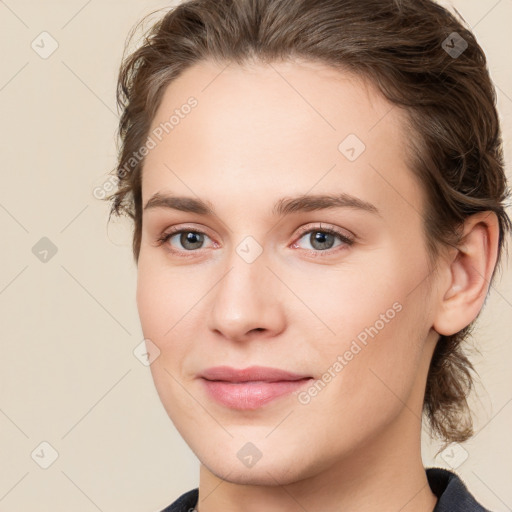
column 245, row 298
column 247, row 262
column 242, row 286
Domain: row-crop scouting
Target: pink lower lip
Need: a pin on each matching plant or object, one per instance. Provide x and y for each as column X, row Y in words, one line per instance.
column 250, row 395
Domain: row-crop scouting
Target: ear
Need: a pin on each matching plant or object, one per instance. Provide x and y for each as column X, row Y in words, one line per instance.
column 466, row 283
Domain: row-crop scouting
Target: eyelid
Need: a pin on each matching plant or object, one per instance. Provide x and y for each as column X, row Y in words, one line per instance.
column 346, row 238
column 326, row 227
column 164, row 237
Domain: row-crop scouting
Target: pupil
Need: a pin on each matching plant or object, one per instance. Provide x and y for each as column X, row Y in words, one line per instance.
column 320, row 240
column 190, row 238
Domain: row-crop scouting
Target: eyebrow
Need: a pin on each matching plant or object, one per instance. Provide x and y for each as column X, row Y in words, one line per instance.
column 284, row 206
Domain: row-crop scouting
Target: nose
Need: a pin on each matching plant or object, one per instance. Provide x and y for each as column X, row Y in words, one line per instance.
column 246, row 303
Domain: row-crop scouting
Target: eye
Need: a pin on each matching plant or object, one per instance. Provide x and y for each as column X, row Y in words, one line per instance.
column 322, row 239
column 188, row 239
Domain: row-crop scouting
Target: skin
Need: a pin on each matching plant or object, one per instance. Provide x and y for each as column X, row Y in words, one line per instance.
column 258, row 134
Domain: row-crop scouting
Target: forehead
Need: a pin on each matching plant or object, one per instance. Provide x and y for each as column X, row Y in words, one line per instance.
column 287, row 125
column 256, row 94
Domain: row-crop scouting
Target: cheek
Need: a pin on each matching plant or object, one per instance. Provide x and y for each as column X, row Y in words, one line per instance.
column 164, row 312
column 352, row 298
column 165, row 297
column 377, row 323
column 150, row 300
column 169, row 307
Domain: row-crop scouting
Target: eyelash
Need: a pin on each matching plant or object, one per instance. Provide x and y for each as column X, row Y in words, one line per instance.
column 164, row 237
column 331, row 231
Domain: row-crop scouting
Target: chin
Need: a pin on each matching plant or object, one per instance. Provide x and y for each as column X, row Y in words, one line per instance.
column 263, row 475
column 270, row 470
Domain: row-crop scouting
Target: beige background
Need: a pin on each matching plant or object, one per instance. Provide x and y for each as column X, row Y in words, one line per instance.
column 68, row 375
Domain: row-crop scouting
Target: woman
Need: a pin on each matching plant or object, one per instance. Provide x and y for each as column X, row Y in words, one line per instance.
column 317, row 190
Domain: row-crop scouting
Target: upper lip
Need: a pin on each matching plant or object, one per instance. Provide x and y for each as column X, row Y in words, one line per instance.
column 252, row 373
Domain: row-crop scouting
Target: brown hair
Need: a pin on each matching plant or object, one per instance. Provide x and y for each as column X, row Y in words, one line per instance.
column 408, row 49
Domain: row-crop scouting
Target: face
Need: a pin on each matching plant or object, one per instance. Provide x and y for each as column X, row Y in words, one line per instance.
column 306, row 253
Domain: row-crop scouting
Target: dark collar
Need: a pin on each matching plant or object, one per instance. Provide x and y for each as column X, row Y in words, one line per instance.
column 452, row 493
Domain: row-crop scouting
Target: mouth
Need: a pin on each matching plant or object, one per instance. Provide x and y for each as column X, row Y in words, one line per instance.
column 253, row 373
column 250, row 388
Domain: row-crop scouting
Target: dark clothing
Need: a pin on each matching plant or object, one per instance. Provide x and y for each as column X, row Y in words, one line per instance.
column 452, row 493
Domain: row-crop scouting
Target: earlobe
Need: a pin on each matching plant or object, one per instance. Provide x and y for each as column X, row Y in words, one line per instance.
column 470, row 271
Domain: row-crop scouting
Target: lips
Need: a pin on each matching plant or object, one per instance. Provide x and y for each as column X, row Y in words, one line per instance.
column 253, row 373
column 250, row 388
